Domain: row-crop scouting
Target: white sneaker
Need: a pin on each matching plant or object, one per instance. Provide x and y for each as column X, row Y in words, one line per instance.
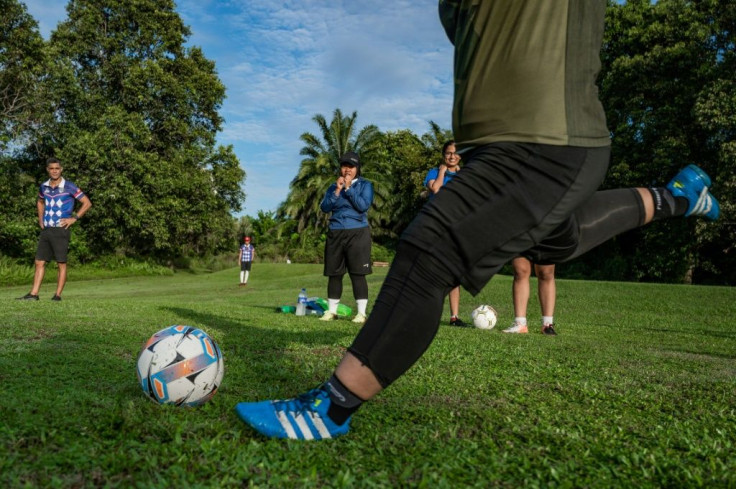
column 517, row 328
column 328, row 316
column 359, row 318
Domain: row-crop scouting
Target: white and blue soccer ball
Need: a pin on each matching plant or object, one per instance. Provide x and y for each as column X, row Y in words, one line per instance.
column 180, row 365
column 484, row 317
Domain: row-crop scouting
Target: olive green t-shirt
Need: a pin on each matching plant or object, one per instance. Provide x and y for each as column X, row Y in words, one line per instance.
column 525, row 71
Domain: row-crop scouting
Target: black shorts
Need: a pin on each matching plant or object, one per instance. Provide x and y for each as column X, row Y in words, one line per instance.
column 245, row 266
column 348, row 250
column 53, row 244
column 509, row 199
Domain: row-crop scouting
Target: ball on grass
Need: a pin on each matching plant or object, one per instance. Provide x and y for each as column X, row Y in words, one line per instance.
column 484, row 317
column 180, row 365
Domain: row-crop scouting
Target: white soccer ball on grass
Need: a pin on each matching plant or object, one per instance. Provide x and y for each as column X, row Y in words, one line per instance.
column 484, row 317
column 180, row 365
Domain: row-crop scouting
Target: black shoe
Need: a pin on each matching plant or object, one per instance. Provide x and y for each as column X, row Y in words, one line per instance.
column 28, row 297
column 549, row 329
column 56, row 298
column 458, row 322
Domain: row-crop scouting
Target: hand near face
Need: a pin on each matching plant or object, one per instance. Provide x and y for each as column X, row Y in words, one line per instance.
column 348, row 180
column 340, row 184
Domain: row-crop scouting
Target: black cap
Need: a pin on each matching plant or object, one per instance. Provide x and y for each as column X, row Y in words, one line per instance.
column 350, row 158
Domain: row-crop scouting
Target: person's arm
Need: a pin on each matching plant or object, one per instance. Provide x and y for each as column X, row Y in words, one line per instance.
column 240, row 254
column 329, row 200
column 362, row 198
column 40, row 207
column 86, row 204
column 435, row 185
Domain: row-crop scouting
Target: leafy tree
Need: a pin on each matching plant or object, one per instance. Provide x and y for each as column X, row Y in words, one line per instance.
column 406, row 160
column 23, row 111
column 137, row 116
column 667, row 86
column 22, row 68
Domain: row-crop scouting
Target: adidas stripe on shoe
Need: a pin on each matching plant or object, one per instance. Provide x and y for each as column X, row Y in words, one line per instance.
column 692, row 183
column 301, row 418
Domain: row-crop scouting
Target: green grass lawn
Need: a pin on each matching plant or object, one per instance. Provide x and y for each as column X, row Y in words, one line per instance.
column 638, row 390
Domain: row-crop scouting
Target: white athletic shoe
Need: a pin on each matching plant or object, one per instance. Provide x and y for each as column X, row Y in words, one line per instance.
column 517, row 328
column 328, row 316
column 359, row 318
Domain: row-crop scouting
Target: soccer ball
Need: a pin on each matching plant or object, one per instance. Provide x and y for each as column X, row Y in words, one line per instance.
column 180, row 365
column 484, row 317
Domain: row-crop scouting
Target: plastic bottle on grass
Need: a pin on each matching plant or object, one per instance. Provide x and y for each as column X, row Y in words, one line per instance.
column 301, row 303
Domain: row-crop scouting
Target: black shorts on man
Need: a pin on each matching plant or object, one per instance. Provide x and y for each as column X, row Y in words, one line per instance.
column 53, row 244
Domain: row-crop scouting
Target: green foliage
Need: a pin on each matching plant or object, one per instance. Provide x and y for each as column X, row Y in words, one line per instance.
column 667, row 86
column 17, row 272
column 634, row 392
column 136, row 115
column 381, row 253
column 19, row 220
column 405, row 161
column 23, row 64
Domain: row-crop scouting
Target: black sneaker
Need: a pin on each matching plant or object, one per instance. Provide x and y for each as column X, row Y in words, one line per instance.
column 549, row 329
column 28, row 297
column 56, row 298
column 456, row 321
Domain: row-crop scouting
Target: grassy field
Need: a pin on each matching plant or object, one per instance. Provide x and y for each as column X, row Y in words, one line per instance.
column 638, row 390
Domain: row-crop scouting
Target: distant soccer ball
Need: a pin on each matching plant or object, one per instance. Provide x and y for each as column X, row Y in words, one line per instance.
column 180, row 365
column 484, row 317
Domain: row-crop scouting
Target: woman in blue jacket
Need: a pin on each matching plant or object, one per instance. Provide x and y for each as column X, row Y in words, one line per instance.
column 348, row 246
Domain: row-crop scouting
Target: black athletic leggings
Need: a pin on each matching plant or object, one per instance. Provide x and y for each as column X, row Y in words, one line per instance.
column 407, row 311
column 360, row 286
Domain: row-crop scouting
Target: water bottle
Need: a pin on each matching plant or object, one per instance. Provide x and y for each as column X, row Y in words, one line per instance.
column 301, row 303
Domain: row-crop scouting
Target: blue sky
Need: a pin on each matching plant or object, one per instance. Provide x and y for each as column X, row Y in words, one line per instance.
column 285, row 61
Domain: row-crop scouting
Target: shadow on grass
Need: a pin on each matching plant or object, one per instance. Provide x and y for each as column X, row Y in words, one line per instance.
column 702, row 332
column 273, row 353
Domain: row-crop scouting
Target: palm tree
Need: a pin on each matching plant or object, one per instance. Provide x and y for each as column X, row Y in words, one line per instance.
column 320, row 166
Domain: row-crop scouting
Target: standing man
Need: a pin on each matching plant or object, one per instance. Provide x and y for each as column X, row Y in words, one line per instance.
column 534, row 140
column 547, row 290
column 348, row 245
column 436, row 178
column 55, row 205
column 245, row 257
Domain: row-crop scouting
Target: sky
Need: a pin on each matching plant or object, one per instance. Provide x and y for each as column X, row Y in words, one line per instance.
column 283, row 62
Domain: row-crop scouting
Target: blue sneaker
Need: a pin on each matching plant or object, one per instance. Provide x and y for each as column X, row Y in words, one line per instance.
column 302, row 418
column 692, row 183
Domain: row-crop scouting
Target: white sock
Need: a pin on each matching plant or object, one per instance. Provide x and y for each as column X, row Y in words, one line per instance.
column 242, row 275
column 521, row 321
column 246, row 277
column 332, row 305
column 548, row 320
column 362, row 304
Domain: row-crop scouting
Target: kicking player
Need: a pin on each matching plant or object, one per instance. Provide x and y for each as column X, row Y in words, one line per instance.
column 533, row 136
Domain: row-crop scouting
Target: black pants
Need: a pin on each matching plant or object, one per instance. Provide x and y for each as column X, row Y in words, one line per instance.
column 509, row 199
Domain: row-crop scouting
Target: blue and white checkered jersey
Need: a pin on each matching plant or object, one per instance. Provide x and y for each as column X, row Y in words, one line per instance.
column 58, row 201
column 246, row 252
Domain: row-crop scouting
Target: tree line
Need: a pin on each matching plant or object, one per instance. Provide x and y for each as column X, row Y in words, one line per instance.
column 133, row 113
